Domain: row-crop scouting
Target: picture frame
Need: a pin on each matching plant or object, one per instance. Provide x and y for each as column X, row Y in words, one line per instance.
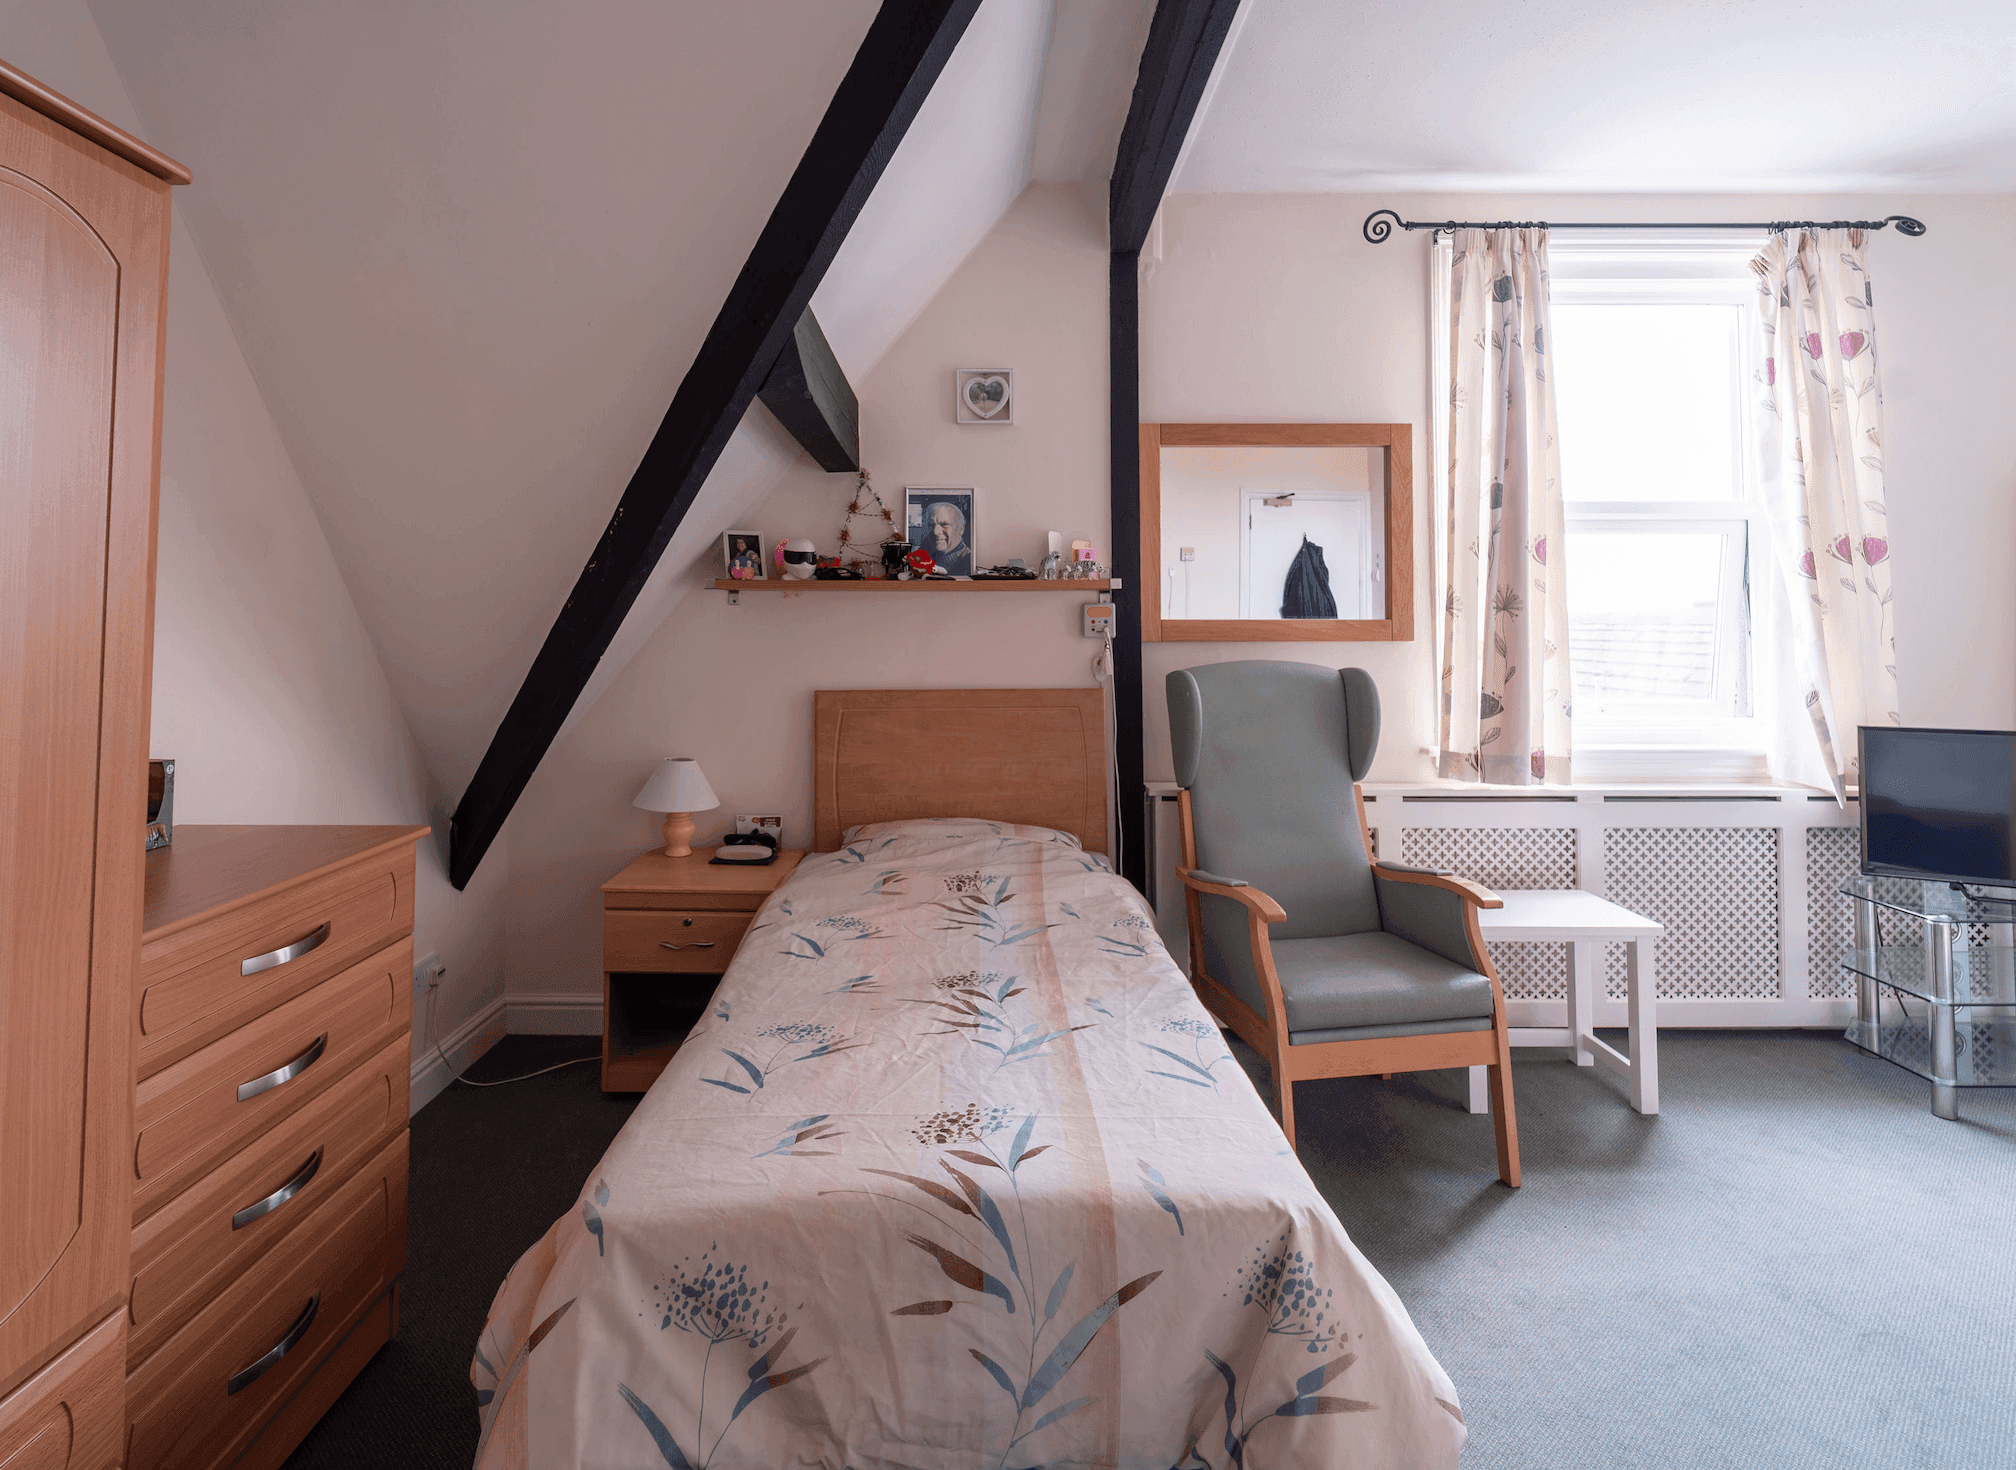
column 940, row 519
column 984, row 395
column 768, row 823
column 742, row 556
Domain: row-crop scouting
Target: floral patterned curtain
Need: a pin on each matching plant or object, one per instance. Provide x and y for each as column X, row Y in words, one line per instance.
column 1504, row 627
column 1822, row 472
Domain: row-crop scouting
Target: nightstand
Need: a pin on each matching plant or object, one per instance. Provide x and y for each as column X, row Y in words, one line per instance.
column 669, row 928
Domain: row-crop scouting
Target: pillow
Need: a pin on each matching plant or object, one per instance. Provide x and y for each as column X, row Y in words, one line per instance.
column 955, row 829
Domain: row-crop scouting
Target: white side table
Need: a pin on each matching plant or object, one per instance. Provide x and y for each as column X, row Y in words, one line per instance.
column 1584, row 921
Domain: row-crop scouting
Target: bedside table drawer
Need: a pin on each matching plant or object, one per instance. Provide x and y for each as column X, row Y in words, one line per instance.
column 670, row 940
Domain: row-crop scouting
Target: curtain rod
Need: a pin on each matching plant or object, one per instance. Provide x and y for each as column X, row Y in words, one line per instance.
column 1378, row 229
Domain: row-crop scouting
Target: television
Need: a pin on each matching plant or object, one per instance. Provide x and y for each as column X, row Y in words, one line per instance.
column 1937, row 804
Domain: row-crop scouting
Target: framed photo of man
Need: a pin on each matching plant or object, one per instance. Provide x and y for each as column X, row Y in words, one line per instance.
column 940, row 520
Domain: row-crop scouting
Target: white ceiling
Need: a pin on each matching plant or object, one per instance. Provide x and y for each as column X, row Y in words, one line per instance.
column 1717, row 96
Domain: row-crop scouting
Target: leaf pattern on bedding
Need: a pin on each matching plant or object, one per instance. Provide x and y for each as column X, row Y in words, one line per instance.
column 974, row 1005
column 1038, row 1379
column 713, row 1300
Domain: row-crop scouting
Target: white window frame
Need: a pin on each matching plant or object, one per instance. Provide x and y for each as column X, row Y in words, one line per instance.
column 1680, row 741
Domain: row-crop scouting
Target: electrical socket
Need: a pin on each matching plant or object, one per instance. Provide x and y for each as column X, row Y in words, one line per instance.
column 427, row 973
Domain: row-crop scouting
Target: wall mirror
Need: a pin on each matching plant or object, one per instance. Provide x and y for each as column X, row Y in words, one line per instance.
column 1258, row 533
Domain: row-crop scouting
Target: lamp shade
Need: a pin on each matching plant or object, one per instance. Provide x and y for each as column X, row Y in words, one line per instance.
column 677, row 786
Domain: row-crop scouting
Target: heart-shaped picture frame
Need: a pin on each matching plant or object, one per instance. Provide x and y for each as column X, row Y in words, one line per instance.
column 986, row 396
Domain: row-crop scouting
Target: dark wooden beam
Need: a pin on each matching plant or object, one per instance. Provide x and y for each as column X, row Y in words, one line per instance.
column 1182, row 47
column 1183, row 43
column 1124, row 301
column 900, row 58
column 811, row 397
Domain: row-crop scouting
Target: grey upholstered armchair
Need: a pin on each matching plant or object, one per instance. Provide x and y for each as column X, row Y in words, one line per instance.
column 1327, row 963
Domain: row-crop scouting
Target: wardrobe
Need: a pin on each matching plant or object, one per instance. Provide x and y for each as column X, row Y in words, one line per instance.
column 84, row 213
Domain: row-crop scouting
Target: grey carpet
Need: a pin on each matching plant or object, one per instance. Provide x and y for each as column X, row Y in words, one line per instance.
column 1794, row 1265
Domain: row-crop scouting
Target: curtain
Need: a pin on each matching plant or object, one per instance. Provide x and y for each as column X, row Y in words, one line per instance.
column 1822, row 472
column 1504, row 625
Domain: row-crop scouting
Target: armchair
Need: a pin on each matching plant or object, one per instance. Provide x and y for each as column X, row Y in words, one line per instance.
column 1325, row 962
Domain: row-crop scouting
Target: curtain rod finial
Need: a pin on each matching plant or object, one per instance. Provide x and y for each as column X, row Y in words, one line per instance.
column 1906, row 225
column 1377, row 229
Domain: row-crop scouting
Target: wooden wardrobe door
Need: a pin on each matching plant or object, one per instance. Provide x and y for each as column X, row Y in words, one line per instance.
column 82, row 261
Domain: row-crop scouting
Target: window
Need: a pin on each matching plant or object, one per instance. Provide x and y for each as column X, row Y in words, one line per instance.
column 1651, row 362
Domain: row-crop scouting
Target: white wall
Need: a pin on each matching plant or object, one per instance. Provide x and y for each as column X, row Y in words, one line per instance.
column 732, row 686
column 267, row 691
column 1273, row 307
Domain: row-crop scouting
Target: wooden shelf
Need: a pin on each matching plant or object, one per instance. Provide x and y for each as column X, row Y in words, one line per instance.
column 776, row 584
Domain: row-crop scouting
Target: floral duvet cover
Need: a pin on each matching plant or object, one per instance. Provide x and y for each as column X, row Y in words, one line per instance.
column 955, row 1175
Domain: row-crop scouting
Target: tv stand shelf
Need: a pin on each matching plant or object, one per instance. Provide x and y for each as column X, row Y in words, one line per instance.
column 1965, row 1032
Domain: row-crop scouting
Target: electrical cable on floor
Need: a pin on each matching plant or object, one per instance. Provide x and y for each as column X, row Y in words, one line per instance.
column 502, row 1081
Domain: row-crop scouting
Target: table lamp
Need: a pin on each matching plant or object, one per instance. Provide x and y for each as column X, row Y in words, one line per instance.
column 678, row 789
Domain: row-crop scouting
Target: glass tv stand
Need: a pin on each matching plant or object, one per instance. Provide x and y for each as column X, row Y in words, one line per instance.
column 1964, row 1031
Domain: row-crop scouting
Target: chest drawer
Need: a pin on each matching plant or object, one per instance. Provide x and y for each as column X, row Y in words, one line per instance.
column 188, row 1116
column 209, row 1234
column 698, row 942
column 237, row 1359
column 68, row 1416
column 194, row 982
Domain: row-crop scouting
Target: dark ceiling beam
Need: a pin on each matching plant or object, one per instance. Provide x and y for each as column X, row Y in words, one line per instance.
column 900, row 58
column 1183, row 44
column 811, row 397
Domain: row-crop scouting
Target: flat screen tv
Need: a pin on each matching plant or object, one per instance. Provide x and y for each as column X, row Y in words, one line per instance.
column 1937, row 804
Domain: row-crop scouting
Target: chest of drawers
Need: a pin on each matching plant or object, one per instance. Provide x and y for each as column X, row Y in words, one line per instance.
column 269, row 1161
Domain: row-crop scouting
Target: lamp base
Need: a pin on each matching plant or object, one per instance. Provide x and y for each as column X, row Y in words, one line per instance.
column 678, row 834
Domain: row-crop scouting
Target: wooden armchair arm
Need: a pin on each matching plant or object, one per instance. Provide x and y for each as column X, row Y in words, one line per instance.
column 1475, row 893
column 1269, row 911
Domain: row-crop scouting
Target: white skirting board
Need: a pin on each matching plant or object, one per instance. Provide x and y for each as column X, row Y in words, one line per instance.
column 431, row 1075
column 568, row 1013
column 517, row 1015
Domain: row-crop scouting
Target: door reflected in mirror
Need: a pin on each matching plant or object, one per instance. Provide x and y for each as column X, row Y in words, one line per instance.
column 1271, row 532
column 1265, row 532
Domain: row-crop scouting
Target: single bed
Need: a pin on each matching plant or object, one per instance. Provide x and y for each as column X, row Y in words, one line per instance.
column 956, row 1173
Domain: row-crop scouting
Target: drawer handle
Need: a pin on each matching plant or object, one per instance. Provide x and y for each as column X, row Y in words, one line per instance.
column 286, row 952
column 249, row 1090
column 696, row 944
column 279, row 1196
column 246, row 1376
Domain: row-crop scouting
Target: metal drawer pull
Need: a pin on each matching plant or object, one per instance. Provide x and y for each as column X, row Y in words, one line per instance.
column 696, row 944
column 286, row 952
column 300, row 1064
column 245, row 1377
column 279, row 1196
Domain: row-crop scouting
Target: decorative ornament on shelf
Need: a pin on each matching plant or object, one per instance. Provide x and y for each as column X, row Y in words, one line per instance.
column 796, row 559
column 866, row 503
column 918, row 564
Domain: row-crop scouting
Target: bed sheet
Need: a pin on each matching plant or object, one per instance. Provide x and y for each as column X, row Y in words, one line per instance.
column 956, row 1173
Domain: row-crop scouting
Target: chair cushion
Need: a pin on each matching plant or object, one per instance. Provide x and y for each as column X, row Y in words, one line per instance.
column 1373, row 979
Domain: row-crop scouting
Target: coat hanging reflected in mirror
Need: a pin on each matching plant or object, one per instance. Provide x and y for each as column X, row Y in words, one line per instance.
column 1277, row 532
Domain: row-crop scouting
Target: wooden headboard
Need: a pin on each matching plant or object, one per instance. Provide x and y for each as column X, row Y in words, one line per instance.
column 1035, row 756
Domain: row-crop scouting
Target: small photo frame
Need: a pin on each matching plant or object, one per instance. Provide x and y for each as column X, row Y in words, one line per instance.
column 940, row 520
column 984, row 395
column 772, row 825
column 742, row 556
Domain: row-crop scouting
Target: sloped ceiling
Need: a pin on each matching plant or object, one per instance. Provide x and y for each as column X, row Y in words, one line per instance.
column 1556, row 95
column 471, row 248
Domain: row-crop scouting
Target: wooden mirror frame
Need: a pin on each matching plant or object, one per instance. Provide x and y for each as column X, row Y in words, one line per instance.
column 1398, row 624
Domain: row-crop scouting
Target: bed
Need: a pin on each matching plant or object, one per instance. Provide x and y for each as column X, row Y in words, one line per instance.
column 955, row 1173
